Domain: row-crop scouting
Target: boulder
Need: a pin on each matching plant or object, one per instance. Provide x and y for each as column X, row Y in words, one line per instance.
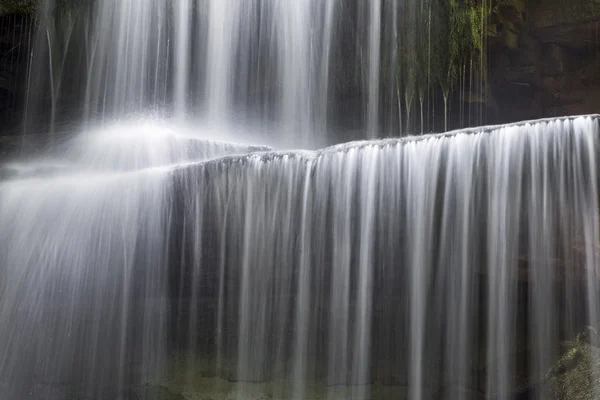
column 576, row 375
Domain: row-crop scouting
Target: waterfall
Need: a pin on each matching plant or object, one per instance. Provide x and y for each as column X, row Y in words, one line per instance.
column 445, row 265
column 157, row 254
column 223, row 61
column 313, row 72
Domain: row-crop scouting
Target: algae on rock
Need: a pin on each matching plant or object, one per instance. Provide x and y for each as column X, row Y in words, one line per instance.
column 19, row 7
column 576, row 375
column 156, row 392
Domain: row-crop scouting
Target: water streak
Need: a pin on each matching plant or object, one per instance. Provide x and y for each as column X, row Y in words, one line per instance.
column 382, row 269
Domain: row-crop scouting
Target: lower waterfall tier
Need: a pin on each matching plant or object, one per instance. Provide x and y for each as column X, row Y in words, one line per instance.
column 441, row 267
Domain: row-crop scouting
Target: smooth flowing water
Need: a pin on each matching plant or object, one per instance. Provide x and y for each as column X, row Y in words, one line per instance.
column 265, row 60
column 447, row 265
column 149, row 257
column 311, row 70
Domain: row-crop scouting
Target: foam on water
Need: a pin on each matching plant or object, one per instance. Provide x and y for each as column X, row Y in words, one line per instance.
column 144, row 144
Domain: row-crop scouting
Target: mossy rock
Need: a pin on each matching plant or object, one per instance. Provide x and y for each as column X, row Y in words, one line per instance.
column 33, row 7
column 157, row 392
column 576, row 375
column 511, row 12
column 216, row 389
column 198, row 378
column 19, row 6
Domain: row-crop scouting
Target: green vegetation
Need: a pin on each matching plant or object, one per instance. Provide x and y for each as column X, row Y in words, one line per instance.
column 449, row 37
column 577, row 372
column 218, row 389
column 157, row 392
column 33, row 7
column 194, row 378
column 19, row 7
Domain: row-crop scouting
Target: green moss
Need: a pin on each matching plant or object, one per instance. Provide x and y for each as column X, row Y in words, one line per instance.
column 19, row 7
column 458, row 34
column 218, row 389
column 194, row 377
column 576, row 375
column 477, row 17
column 184, row 367
column 157, row 392
column 467, row 30
column 33, row 7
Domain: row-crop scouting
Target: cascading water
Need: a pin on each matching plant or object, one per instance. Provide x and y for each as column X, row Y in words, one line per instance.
column 448, row 265
column 144, row 258
column 312, row 71
column 265, row 60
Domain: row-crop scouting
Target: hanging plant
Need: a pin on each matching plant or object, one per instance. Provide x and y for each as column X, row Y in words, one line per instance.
column 450, row 35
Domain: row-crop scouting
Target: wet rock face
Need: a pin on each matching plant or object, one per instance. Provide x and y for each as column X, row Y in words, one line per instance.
column 548, row 65
column 15, row 33
column 568, row 23
column 508, row 21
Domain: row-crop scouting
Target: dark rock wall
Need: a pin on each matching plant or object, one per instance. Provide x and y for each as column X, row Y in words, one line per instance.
column 15, row 45
column 545, row 59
